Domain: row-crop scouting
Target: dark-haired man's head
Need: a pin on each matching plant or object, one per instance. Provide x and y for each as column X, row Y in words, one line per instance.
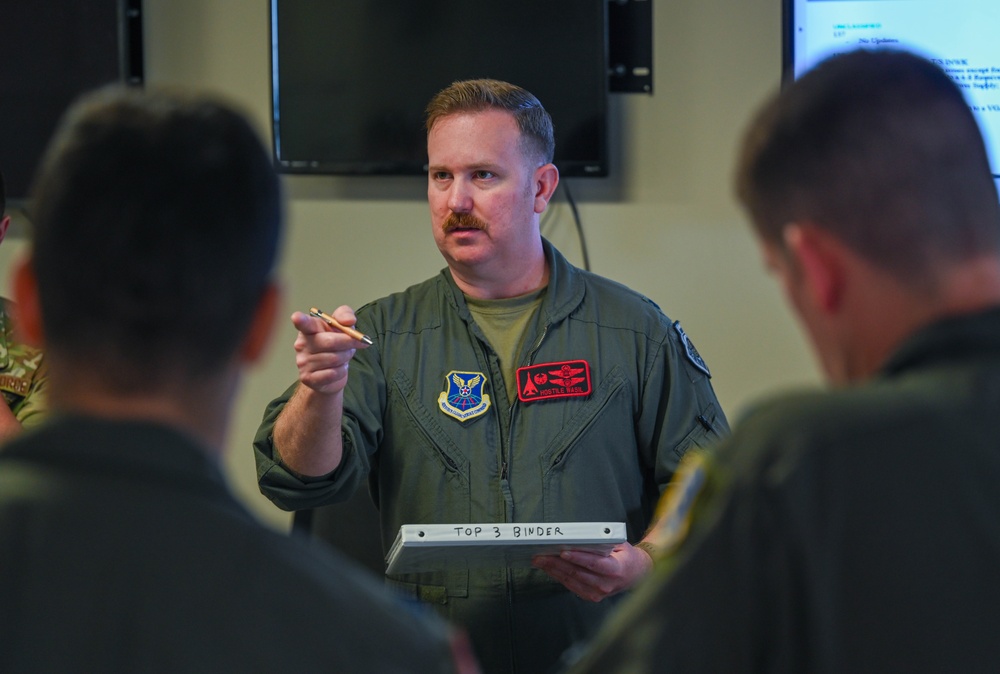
column 156, row 221
column 881, row 149
column 869, row 185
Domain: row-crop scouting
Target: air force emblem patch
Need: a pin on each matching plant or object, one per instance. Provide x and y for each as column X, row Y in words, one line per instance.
column 689, row 350
column 463, row 397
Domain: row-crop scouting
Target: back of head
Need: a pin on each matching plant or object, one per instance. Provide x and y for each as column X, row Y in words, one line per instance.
column 156, row 221
column 471, row 96
column 881, row 149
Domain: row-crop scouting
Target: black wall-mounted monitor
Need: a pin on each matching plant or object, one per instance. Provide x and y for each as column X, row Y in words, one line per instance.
column 351, row 78
column 52, row 51
column 959, row 35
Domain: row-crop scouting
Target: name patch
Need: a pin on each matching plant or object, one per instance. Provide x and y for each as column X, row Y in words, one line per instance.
column 14, row 384
column 463, row 397
column 547, row 381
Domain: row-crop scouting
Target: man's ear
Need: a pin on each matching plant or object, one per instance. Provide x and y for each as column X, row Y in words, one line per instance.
column 262, row 325
column 819, row 257
column 4, row 224
column 546, row 181
column 27, row 309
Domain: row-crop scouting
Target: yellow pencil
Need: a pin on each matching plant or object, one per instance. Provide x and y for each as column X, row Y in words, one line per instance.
column 332, row 322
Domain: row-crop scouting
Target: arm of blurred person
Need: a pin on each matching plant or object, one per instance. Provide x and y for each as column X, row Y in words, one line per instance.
column 307, row 434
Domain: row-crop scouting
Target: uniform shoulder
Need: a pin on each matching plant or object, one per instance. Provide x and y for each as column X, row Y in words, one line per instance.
column 321, row 592
column 617, row 303
column 404, row 310
column 806, row 421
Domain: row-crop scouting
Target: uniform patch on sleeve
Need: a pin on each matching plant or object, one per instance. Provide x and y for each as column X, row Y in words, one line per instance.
column 673, row 517
column 689, row 350
column 13, row 384
column 547, row 381
column 463, row 397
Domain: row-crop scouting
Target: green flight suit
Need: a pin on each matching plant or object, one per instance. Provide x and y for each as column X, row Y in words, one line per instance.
column 598, row 449
column 851, row 530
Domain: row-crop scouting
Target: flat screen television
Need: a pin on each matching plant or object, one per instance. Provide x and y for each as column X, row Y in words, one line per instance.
column 959, row 35
column 351, row 78
column 53, row 50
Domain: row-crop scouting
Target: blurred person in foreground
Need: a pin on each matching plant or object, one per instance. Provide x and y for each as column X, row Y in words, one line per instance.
column 23, row 379
column 855, row 529
column 510, row 387
column 150, row 282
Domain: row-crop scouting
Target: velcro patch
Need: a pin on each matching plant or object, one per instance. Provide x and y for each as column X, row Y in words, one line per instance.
column 692, row 353
column 14, row 384
column 673, row 513
column 463, row 397
column 547, row 381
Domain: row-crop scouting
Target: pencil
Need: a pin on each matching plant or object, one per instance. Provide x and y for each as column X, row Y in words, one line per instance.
column 332, row 322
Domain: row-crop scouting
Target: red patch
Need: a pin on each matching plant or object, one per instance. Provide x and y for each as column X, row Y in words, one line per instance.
column 546, row 381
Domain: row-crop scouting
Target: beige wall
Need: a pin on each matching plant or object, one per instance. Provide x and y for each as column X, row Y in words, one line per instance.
column 665, row 223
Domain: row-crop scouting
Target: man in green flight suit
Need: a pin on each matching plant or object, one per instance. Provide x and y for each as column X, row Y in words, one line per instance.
column 855, row 529
column 511, row 387
column 22, row 367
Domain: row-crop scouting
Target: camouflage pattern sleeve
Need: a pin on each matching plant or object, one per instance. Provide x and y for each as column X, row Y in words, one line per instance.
column 23, row 377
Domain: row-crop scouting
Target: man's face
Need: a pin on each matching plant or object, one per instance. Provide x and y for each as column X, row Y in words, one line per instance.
column 481, row 191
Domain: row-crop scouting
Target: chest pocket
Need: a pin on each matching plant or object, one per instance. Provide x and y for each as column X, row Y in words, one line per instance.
column 591, row 470
column 423, row 477
column 588, row 421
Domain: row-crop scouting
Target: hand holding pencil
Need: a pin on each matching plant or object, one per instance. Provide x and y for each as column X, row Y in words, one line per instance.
column 324, row 347
column 334, row 323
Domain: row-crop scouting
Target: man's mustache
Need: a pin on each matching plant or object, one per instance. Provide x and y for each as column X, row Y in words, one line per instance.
column 463, row 221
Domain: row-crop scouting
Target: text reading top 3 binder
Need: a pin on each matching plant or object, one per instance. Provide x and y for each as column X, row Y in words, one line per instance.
column 433, row 547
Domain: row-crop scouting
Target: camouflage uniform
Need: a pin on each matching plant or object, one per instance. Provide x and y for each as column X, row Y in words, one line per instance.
column 23, row 377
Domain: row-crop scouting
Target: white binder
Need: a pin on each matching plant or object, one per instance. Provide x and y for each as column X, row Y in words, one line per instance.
column 434, row 547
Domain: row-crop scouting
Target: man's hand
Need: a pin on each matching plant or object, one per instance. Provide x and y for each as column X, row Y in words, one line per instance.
column 307, row 433
column 322, row 354
column 593, row 577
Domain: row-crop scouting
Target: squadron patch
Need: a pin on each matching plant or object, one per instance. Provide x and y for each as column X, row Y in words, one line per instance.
column 547, row 381
column 463, row 397
column 689, row 350
column 673, row 516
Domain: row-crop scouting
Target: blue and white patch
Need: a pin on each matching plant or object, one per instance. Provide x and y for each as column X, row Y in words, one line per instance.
column 463, row 397
column 689, row 350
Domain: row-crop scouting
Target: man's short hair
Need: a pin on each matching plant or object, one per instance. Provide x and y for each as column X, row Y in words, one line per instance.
column 471, row 96
column 880, row 148
column 156, row 219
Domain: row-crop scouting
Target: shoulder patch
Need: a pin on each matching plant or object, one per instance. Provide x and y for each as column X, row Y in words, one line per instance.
column 463, row 397
column 673, row 515
column 689, row 350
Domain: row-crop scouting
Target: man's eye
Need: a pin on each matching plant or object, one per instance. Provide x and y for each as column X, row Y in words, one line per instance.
column 484, row 175
column 440, row 175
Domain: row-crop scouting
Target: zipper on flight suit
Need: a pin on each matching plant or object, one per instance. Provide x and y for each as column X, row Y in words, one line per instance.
column 503, row 478
column 510, row 412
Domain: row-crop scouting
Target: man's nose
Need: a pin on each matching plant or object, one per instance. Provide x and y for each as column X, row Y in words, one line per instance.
column 460, row 197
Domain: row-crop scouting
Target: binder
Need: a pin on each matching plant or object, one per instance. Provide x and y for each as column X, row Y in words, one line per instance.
column 435, row 547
